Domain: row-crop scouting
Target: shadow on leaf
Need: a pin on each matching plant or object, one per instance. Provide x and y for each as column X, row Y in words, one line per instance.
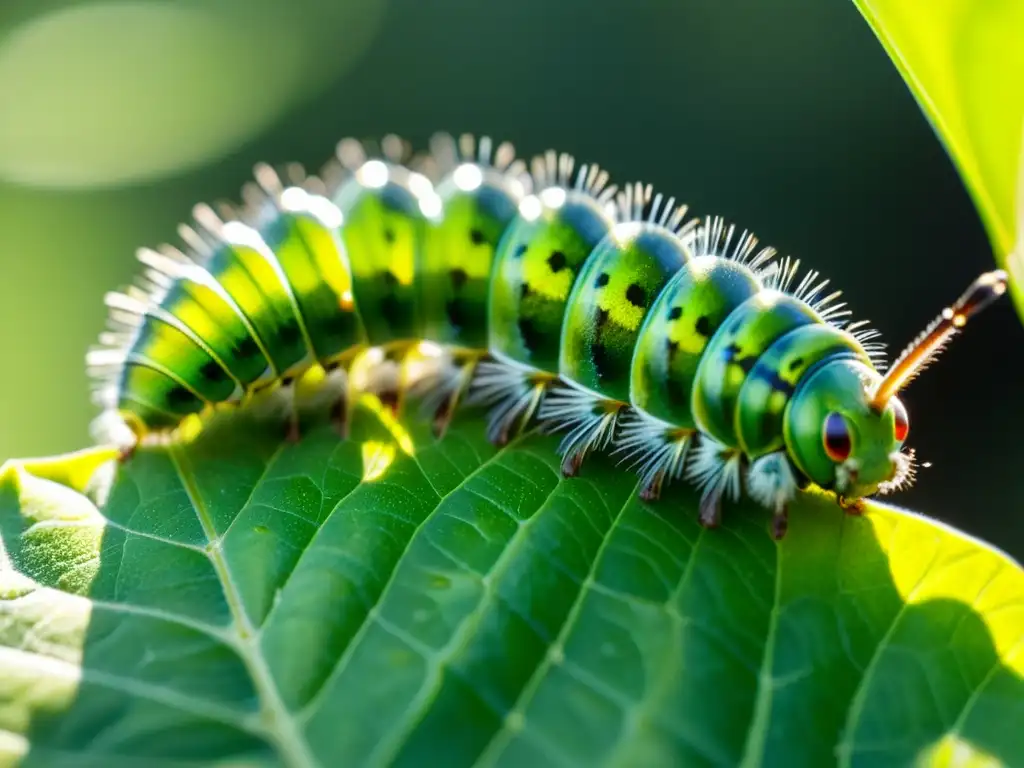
column 251, row 601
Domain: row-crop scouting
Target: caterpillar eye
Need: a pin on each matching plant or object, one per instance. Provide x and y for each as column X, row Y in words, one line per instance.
column 901, row 424
column 835, row 436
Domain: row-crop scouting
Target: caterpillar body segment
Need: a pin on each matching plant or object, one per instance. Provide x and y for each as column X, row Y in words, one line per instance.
column 540, row 257
column 721, row 275
column 548, row 296
column 247, row 269
column 479, row 188
column 204, row 309
column 384, row 208
column 537, row 264
column 760, row 405
column 300, row 229
column 622, row 277
column 687, row 313
column 747, row 334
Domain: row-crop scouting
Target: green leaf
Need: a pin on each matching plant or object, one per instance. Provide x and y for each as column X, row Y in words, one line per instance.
column 241, row 601
column 964, row 62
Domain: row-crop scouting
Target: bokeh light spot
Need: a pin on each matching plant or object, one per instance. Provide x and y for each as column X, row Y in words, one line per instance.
column 110, row 93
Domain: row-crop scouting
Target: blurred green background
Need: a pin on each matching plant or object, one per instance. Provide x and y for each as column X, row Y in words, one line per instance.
column 786, row 117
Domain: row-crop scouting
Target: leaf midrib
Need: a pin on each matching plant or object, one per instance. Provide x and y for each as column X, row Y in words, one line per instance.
column 279, row 725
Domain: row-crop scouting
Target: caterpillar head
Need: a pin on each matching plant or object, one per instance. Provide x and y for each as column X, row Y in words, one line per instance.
column 839, row 439
column 845, row 427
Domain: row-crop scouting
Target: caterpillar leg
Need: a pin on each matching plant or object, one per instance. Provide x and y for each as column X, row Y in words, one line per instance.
column 276, row 400
column 316, row 389
column 654, row 449
column 111, row 428
column 336, row 391
column 513, row 420
column 780, row 522
column 851, row 506
column 591, row 422
column 650, row 490
column 514, row 395
column 320, row 389
column 771, row 482
column 443, row 384
column 392, row 379
column 378, row 372
column 126, row 434
column 710, row 511
column 339, row 417
column 717, row 470
column 293, row 430
column 445, row 410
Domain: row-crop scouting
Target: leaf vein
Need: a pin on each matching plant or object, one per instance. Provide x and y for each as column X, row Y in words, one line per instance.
column 302, row 554
column 760, row 718
column 501, row 739
column 845, row 748
column 157, row 694
column 208, row 528
column 441, row 659
column 315, row 699
column 152, row 536
column 292, row 747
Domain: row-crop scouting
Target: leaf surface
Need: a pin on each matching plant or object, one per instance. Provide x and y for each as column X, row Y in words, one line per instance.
column 240, row 601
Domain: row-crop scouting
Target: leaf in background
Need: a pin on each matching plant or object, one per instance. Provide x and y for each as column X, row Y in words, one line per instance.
column 240, row 601
column 964, row 62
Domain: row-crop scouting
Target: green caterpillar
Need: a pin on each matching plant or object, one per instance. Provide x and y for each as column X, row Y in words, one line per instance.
column 550, row 297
